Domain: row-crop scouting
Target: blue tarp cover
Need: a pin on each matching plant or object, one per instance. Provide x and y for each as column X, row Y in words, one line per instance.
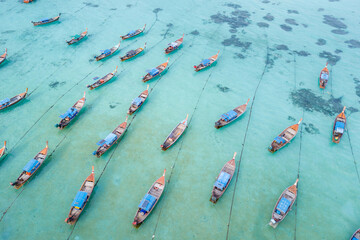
column 173, row 44
column 71, row 112
column 205, row 62
column 110, row 138
column 354, row 238
column 31, row 166
column 229, row 116
column 147, row 202
column 339, row 127
column 107, row 51
column 279, row 140
column 153, row 71
column 324, row 76
column 45, row 20
column 132, row 32
column 137, row 101
column 5, row 101
column 79, row 200
column 283, row 205
column 222, row 180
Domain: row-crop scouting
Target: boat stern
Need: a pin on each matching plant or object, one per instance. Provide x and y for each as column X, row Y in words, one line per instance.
column 273, row 223
column 213, row 199
column 218, row 125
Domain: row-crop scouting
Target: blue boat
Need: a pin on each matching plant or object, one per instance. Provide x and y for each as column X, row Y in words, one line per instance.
column 107, row 52
column 154, row 72
column 47, row 20
column 138, row 102
column 7, row 102
column 71, row 113
column 231, row 116
column 206, row 62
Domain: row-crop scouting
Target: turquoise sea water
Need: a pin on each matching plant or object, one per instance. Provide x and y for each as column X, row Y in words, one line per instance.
column 270, row 51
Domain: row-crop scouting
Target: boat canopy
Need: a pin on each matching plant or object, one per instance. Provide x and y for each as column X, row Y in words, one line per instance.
column 205, row 62
column 79, row 200
column 279, row 139
column 222, row 180
column 71, row 112
column 137, row 101
column 354, row 238
column 153, row 71
column 173, row 44
column 45, row 20
column 132, row 32
column 31, row 166
column 6, row 101
column 339, row 127
column 147, row 202
column 110, row 139
column 106, row 51
column 130, row 53
column 77, row 36
column 324, row 76
column 283, row 205
column 229, row 116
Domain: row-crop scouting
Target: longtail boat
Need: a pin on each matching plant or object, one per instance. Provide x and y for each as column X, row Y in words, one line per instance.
column 107, row 52
column 47, row 20
column 206, row 62
column 138, row 102
column 3, row 56
column 223, row 180
column 324, row 77
column 30, row 168
column 175, row 134
column 149, row 201
column 28, row 1
column 284, row 137
column 174, row 45
column 356, row 235
column 155, row 71
column 111, row 139
column 3, row 149
column 102, row 80
column 132, row 53
column 70, row 114
column 77, row 37
column 133, row 33
column 81, row 198
column 339, row 126
column 284, row 204
column 232, row 115
column 9, row 102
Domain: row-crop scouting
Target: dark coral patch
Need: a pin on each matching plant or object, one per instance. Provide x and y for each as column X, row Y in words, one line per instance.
column 286, row 27
column 302, row 53
column 293, row 11
column 268, row 17
column 233, row 5
column 236, row 42
column 333, row 21
column 321, row 42
column 237, row 19
column 262, row 24
column 311, row 128
column 239, row 55
column 195, row 32
column 353, row 43
column 339, row 31
column 156, row 10
column 320, row 10
column 291, row 21
column 331, row 58
column 357, row 86
column 222, row 88
column 281, row 47
column 338, row 51
column 56, row 84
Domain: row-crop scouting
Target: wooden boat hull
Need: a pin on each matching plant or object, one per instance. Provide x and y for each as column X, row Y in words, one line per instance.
column 161, row 69
column 285, row 136
column 28, row 1
column 323, row 82
column 2, row 150
column 137, row 52
column 201, row 66
column 103, row 80
column 88, row 187
column 119, row 132
column 174, row 135
column 156, row 191
column 112, row 51
column 229, row 168
column 290, row 194
column 356, row 234
column 240, row 110
column 75, row 40
column 78, row 106
column 24, row 177
column 138, row 31
column 143, row 96
column 336, row 137
column 3, row 56
column 15, row 100
column 173, row 48
column 51, row 20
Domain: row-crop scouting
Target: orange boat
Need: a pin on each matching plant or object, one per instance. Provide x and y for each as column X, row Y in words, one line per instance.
column 77, row 37
column 174, row 45
column 81, row 198
column 149, row 201
column 339, row 126
column 30, row 168
column 324, row 77
column 2, row 150
column 155, row 71
column 28, row 1
column 207, row 62
column 3, row 56
column 284, row 137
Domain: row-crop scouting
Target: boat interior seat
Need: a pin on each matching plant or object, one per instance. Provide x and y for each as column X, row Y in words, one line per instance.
column 277, row 216
column 89, row 184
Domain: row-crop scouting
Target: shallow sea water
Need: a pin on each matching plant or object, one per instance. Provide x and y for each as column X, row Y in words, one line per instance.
column 277, row 68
